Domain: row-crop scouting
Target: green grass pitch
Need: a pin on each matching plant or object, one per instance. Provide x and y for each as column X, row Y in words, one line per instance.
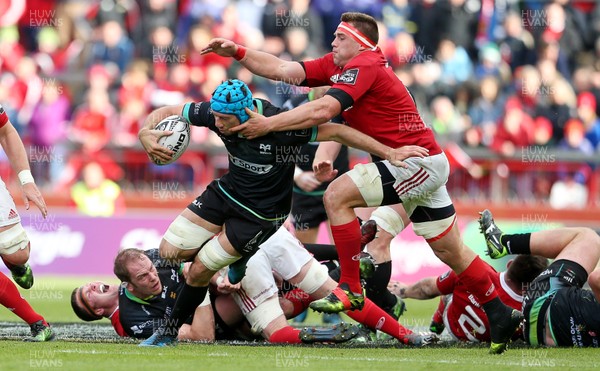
column 82, row 346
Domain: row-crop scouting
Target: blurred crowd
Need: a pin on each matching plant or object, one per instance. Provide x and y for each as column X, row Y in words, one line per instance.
column 79, row 76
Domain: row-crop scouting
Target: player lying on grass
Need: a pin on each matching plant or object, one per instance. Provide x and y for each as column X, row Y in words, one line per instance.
column 558, row 311
column 148, row 291
column 289, row 259
column 459, row 311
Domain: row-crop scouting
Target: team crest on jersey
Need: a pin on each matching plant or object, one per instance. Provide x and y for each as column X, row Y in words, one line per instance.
column 348, row 77
column 265, row 149
column 444, row 276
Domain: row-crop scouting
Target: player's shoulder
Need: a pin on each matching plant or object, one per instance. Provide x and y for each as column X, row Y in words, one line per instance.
column 266, row 108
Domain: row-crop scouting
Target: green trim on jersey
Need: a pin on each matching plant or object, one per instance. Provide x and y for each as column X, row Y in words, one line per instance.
column 534, row 318
column 134, row 298
column 259, row 105
column 311, row 193
column 249, row 209
column 186, row 109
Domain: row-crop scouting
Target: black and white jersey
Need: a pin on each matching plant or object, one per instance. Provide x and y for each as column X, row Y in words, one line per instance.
column 260, row 176
column 140, row 318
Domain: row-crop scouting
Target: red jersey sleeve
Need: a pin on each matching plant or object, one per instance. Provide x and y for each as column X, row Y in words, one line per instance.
column 3, row 117
column 116, row 323
column 446, row 282
column 357, row 77
column 318, row 71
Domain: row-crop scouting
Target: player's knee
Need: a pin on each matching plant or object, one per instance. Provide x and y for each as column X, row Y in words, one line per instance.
column 591, row 237
column 388, row 220
column 331, row 199
column 594, row 279
column 186, row 235
column 14, row 244
column 367, row 180
column 315, row 277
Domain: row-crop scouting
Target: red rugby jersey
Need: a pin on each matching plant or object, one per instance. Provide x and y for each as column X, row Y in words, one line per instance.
column 383, row 108
column 3, row 117
column 466, row 319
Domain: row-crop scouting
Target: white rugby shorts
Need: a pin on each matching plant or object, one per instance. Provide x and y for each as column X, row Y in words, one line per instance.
column 281, row 253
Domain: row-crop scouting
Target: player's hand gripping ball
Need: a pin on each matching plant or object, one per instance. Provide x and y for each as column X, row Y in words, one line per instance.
column 176, row 142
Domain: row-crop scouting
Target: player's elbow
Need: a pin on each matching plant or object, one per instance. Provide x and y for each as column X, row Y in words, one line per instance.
column 324, row 110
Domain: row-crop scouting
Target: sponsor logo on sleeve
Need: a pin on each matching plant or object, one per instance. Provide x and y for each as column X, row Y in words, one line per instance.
column 347, row 77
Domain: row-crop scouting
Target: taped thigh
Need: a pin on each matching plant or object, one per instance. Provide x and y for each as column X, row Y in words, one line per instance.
column 388, row 220
column 367, row 179
column 186, row 235
column 13, row 240
column 214, row 257
column 315, row 277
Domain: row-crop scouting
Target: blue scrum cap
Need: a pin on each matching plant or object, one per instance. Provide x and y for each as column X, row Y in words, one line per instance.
column 231, row 97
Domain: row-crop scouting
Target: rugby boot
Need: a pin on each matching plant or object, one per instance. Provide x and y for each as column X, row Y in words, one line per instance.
column 368, row 232
column 492, row 235
column 339, row 300
column 23, row 275
column 40, row 331
column 421, row 339
column 237, row 270
column 339, row 333
column 367, row 265
column 160, row 338
column 502, row 330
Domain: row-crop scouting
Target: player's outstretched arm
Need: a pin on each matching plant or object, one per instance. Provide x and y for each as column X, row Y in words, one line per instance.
column 17, row 156
column 259, row 63
column 313, row 113
column 354, row 138
column 149, row 137
column 423, row 289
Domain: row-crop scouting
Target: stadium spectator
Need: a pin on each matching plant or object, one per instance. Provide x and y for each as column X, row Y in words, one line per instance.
column 491, row 64
column 15, row 246
column 48, row 132
column 95, row 195
column 11, row 51
column 355, row 48
column 113, row 46
column 487, row 109
column 559, row 108
column 586, row 110
column 458, row 21
column 558, row 310
column 396, row 17
column 514, row 130
column 460, row 313
column 518, row 46
column 92, row 121
column 446, row 122
column 455, row 63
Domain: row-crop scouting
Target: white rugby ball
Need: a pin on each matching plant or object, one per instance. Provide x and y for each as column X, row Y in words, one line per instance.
column 178, row 141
